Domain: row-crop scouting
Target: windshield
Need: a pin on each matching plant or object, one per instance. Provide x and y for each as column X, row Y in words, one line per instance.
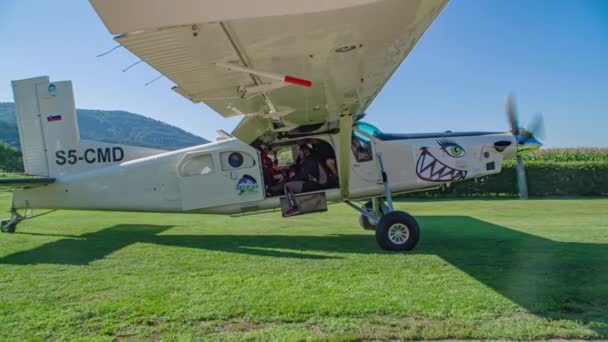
column 369, row 129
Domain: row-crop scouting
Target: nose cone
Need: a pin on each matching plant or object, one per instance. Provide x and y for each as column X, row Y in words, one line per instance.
column 527, row 144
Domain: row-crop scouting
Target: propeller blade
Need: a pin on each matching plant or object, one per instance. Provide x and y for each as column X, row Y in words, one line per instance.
column 512, row 114
column 537, row 126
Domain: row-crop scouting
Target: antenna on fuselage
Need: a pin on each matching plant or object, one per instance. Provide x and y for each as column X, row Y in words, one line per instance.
column 223, row 135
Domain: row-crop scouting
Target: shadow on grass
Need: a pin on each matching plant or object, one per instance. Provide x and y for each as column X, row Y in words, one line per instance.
column 83, row 249
column 86, row 248
column 557, row 280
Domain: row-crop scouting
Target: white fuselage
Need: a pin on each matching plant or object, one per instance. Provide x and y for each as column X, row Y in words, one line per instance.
column 200, row 179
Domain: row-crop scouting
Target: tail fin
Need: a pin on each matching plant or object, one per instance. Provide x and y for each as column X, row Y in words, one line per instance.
column 46, row 117
column 48, row 132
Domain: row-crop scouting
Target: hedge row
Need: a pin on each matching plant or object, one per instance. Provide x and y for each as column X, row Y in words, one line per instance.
column 544, row 179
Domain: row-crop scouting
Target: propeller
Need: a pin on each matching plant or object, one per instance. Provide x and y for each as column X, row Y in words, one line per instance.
column 537, row 126
column 527, row 138
column 526, row 141
column 512, row 114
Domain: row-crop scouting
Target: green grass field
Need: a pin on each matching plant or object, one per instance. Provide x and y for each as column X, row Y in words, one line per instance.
column 484, row 269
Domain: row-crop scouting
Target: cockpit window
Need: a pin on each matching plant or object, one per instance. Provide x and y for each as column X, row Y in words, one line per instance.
column 361, row 147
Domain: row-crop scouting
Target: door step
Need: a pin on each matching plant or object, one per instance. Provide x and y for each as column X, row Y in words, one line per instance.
column 307, row 203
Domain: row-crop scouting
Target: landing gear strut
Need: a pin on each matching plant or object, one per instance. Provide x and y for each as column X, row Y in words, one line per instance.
column 395, row 230
column 375, row 207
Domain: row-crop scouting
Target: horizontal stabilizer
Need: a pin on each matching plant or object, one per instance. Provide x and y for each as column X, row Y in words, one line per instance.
column 23, row 183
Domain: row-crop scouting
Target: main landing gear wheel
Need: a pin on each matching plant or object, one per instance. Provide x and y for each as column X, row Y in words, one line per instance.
column 397, row 231
column 8, row 226
column 364, row 221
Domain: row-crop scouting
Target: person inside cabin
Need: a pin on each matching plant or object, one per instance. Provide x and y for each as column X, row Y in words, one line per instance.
column 283, row 174
column 270, row 167
column 308, row 175
column 326, row 155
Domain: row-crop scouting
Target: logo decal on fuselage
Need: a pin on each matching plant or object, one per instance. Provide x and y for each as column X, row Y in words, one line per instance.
column 247, row 185
column 431, row 169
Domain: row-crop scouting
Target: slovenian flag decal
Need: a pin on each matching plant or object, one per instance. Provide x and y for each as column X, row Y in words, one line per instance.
column 53, row 117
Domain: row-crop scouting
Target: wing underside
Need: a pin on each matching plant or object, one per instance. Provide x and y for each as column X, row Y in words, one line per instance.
column 347, row 49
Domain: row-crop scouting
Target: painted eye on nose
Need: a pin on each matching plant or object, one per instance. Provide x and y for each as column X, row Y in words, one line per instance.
column 451, row 148
column 455, row 151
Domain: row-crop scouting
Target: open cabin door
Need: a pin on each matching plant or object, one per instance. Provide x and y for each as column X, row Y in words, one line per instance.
column 220, row 177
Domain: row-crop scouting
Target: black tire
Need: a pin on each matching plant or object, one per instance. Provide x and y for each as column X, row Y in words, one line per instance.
column 5, row 227
column 364, row 222
column 397, row 231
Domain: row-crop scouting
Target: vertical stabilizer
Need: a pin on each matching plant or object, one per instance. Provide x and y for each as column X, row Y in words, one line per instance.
column 46, row 117
column 48, row 132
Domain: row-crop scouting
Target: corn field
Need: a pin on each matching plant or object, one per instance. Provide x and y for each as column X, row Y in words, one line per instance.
column 560, row 155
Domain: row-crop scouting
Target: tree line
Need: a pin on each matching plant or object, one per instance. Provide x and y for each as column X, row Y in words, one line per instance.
column 10, row 159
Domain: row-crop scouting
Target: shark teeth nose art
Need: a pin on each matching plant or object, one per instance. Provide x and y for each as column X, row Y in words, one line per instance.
column 430, row 169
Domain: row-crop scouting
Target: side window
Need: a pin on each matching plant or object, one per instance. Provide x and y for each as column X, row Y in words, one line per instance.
column 361, row 147
column 232, row 160
column 196, row 166
column 285, row 156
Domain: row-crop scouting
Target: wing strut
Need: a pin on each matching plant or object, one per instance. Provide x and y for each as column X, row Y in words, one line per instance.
column 346, row 130
column 284, row 79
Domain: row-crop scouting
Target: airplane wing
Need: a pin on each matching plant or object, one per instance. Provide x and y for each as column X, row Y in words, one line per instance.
column 281, row 63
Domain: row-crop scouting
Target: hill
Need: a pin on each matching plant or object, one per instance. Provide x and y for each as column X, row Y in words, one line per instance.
column 9, row 134
column 113, row 126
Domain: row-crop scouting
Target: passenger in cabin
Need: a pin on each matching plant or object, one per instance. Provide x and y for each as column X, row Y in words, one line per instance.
column 309, row 175
column 326, row 155
column 270, row 168
column 305, row 176
column 286, row 173
column 313, row 169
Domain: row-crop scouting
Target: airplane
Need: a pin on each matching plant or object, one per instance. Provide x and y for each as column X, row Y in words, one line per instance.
column 301, row 74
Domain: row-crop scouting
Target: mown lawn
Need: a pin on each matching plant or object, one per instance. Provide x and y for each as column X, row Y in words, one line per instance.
column 484, row 269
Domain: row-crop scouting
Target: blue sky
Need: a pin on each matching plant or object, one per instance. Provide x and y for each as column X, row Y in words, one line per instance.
column 553, row 55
